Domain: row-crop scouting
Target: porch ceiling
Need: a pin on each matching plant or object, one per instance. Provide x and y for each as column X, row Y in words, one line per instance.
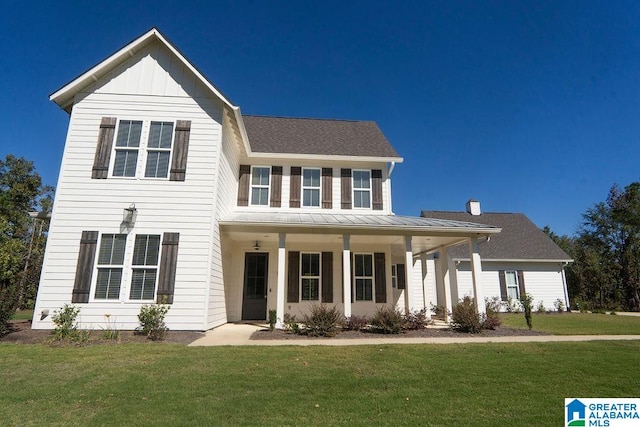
column 427, row 234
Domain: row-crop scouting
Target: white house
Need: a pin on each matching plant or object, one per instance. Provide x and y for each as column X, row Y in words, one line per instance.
column 522, row 258
column 167, row 193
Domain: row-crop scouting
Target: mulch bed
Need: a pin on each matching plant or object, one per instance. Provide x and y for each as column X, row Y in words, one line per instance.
column 23, row 334
column 501, row 331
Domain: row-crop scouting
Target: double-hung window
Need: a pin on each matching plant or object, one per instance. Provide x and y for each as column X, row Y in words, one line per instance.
column 361, row 188
column 310, row 277
column 110, row 266
column 363, row 276
column 394, row 276
column 260, row 185
column 311, row 187
column 144, row 271
column 127, row 145
column 159, row 149
column 513, row 290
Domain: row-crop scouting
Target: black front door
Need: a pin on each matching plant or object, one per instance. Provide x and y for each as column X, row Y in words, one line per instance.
column 254, row 302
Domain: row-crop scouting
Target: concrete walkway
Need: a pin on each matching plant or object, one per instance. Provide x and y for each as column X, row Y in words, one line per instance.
column 232, row 334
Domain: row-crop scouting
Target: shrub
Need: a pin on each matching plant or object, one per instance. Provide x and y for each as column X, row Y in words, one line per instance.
column 559, row 305
column 110, row 332
column 324, row 321
column 273, row 318
column 416, row 320
column 388, row 320
column 526, row 300
column 465, row 318
column 491, row 319
column 355, row 323
column 65, row 321
column 151, row 319
column 439, row 311
column 513, row 306
column 541, row 308
column 291, row 324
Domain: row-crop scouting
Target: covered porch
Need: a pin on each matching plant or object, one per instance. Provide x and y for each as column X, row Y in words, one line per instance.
column 289, row 261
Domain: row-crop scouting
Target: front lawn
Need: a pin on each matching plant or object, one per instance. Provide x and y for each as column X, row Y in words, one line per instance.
column 163, row 384
column 576, row 323
column 23, row 315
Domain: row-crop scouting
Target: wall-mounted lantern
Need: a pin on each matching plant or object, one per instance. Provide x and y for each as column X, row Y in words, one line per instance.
column 130, row 214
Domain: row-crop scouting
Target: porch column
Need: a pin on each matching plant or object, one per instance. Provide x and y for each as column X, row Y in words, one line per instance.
column 444, row 277
column 425, row 284
column 476, row 274
column 410, row 303
column 281, row 279
column 346, row 274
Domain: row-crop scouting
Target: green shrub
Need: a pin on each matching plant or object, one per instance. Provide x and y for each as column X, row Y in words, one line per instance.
column 465, row 317
column 559, row 305
column 355, row 323
column 110, row 332
column 151, row 319
column 415, row 320
column 324, row 321
column 491, row 319
column 291, row 324
column 388, row 320
column 439, row 311
column 273, row 319
column 513, row 306
column 541, row 308
column 526, row 300
column 65, row 321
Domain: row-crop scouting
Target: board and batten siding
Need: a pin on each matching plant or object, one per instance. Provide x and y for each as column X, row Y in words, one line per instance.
column 156, row 89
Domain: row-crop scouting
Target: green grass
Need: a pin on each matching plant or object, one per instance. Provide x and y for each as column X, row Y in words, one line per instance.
column 162, row 384
column 577, row 323
column 23, row 315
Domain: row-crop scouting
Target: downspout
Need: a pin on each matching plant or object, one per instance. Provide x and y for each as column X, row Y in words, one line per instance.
column 564, row 285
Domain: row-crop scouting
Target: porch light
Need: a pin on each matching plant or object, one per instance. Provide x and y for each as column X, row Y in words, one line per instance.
column 130, row 214
column 256, row 246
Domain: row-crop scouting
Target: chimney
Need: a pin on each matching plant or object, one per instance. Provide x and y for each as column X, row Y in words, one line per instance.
column 473, row 207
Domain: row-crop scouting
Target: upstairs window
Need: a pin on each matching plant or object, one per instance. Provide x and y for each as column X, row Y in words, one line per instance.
column 110, row 265
column 159, row 150
column 310, row 277
column 127, row 145
column 311, row 187
column 260, row 185
column 144, row 267
column 361, row 189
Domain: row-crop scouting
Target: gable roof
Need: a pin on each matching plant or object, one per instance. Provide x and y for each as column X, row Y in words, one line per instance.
column 286, row 135
column 520, row 239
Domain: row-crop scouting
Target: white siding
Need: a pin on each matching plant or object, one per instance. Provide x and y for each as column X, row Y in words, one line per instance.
column 157, row 88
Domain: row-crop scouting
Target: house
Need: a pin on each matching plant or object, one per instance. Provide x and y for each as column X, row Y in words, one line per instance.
column 167, row 193
column 522, row 258
column 576, row 410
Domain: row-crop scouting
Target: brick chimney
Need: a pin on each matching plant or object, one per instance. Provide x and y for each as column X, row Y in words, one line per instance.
column 473, row 207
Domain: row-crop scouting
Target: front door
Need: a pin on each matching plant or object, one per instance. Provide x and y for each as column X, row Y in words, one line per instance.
column 254, row 302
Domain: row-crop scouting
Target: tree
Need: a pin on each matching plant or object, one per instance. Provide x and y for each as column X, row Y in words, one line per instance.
column 22, row 238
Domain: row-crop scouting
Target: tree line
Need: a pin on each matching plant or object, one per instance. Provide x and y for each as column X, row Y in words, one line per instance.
column 605, row 274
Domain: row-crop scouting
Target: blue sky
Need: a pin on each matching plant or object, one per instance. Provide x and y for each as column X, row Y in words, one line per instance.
column 529, row 107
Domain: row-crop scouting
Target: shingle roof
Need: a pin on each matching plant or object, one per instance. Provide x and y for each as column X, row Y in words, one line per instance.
column 520, row 239
column 317, row 136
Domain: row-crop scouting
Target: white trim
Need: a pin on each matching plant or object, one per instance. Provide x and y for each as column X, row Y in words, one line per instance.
column 259, row 186
column 517, row 284
column 318, row 277
column 325, row 157
column 159, row 150
column 555, row 261
column 318, row 188
column 353, row 190
column 372, row 277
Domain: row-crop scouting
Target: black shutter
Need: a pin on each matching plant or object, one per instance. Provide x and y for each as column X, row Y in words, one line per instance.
column 103, row 150
column 521, row 283
column 168, row 262
column 294, row 187
column 376, row 189
column 293, row 291
column 327, row 276
column 243, row 185
column 401, row 275
column 380, row 278
column 84, row 268
column 327, row 188
column 345, row 188
column 180, row 150
column 503, row 286
column 276, row 186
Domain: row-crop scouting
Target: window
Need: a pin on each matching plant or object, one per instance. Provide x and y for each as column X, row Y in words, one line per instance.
column 361, row 189
column 310, row 277
column 512, row 284
column 127, row 144
column 311, row 187
column 394, row 276
column 260, row 186
column 144, row 267
column 159, row 150
column 363, row 275
column 110, row 264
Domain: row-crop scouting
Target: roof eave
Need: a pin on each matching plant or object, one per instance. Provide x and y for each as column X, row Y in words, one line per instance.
column 517, row 260
column 341, row 158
